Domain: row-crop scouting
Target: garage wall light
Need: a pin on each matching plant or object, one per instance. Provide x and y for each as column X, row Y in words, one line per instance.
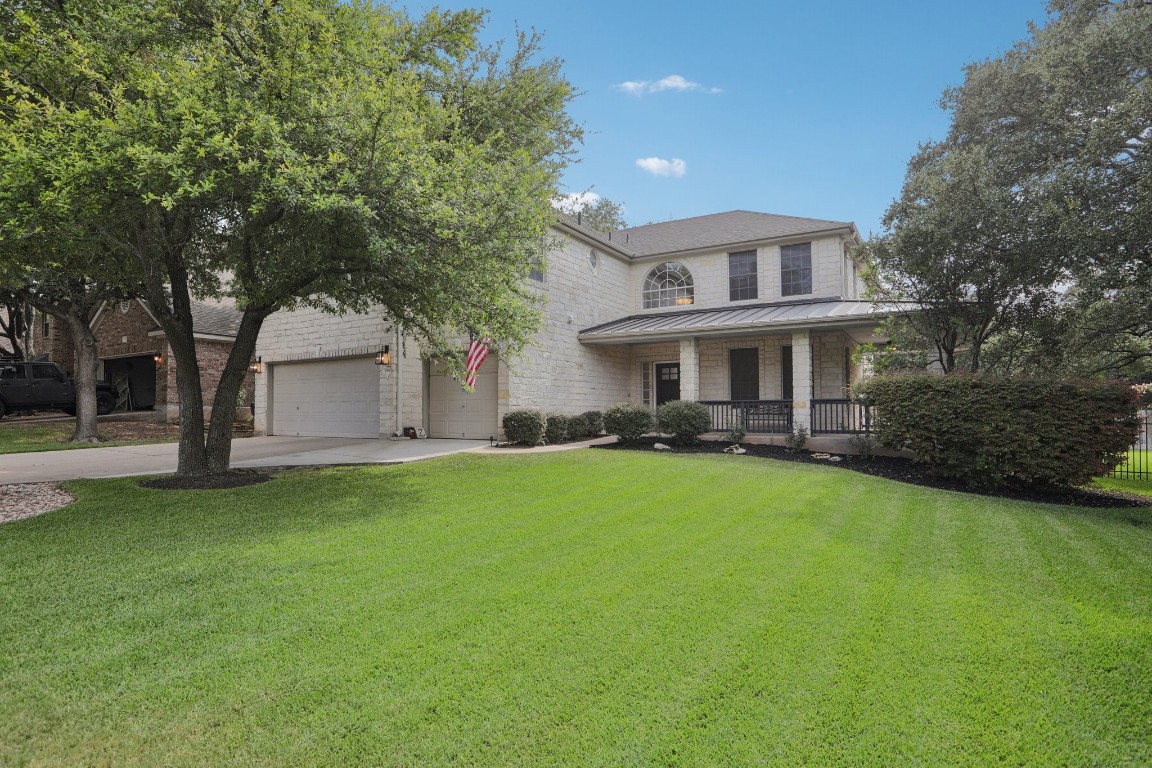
column 159, row 358
column 384, row 357
column 257, row 365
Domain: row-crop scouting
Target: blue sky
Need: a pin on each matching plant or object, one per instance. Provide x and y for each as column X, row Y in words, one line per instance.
column 799, row 108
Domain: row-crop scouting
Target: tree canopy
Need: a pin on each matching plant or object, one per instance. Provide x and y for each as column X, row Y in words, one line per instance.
column 1055, row 136
column 286, row 152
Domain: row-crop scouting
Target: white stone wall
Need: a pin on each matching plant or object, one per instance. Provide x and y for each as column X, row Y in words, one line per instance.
column 830, row 276
column 715, row 382
column 557, row 373
column 828, row 364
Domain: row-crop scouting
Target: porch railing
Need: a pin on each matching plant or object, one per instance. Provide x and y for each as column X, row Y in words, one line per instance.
column 840, row 417
column 1138, row 465
column 755, row 416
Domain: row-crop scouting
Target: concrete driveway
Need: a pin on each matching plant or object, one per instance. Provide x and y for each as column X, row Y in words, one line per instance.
column 50, row 466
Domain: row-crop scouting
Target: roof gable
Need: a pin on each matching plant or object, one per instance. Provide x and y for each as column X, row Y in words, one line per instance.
column 717, row 230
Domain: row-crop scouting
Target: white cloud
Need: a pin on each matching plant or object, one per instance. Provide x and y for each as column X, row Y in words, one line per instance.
column 670, row 83
column 635, row 87
column 574, row 201
column 658, row 166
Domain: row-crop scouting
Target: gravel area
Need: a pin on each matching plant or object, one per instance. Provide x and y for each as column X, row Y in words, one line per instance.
column 30, row 499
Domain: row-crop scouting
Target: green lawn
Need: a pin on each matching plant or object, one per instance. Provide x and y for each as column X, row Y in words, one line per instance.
column 54, row 436
column 587, row 608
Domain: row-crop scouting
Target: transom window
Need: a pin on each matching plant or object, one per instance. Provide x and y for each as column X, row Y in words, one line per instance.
column 796, row 269
column 742, row 276
column 668, row 285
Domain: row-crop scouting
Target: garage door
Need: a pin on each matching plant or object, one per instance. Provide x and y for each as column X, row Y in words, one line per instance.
column 452, row 412
column 335, row 398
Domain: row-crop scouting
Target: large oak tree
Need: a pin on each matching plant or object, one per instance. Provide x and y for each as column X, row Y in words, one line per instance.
column 288, row 152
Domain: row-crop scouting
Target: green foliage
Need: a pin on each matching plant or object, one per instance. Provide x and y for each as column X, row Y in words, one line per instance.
column 685, row 420
column 525, row 426
column 600, row 214
column 556, row 429
column 343, row 156
column 989, row 431
column 628, row 421
column 797, row 438
column 595, row 421
column 578, row 428
column 864, row 445
column 736, row 434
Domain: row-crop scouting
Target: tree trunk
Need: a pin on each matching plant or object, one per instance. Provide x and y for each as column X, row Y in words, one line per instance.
column 224, row 402
column 87, row 365
column 192, row 459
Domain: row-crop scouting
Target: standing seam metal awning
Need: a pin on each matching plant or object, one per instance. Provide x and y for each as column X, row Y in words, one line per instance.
column 761, row 317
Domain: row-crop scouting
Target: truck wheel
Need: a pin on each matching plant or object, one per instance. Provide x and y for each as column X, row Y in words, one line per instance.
column 104, row 403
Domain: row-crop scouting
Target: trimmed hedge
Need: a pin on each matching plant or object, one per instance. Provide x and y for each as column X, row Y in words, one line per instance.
column 628, row 421
column 556, row 430
column 989, row 431
column 595, row 421
column 524, row 426
column 577, row 428
column 684, row 420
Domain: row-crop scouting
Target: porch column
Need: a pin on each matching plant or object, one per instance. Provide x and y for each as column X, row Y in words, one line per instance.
column 802, row 380
column 689, row 369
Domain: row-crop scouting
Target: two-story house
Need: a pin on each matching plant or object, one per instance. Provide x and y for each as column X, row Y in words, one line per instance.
column 756, row 315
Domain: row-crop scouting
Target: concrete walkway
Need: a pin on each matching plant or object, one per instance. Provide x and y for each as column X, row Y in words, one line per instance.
column 160, row 458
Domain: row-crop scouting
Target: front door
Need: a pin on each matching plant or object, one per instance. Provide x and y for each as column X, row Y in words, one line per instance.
column 667, row 382
column 744, row 373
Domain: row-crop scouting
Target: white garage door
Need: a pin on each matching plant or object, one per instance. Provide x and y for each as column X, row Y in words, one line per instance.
column 452, row 412
column 334, row 398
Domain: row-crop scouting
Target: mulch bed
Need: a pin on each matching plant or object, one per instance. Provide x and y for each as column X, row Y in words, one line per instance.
column 908, row 471
column 236, row 478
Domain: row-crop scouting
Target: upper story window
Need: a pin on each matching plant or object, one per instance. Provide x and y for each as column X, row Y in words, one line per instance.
column 796, row 269
column 742, row 276
column 536, row 269
column 668, row 285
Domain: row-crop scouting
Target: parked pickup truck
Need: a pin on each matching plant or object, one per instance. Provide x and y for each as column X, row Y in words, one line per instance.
column 43, row 386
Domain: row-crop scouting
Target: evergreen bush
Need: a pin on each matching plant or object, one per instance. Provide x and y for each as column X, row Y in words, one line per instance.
column 595, row 422
column 628, row 421
column 577, row 428
column 685, row 420
column 989, row 431
column 524, row 426
column 556, row 429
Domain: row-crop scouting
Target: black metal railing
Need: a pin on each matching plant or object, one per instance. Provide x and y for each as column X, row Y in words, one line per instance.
column 1138, row 464
column 755, row 416
column 840, row 417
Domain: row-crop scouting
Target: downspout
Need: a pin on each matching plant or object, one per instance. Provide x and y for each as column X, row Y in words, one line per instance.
column 399, row 380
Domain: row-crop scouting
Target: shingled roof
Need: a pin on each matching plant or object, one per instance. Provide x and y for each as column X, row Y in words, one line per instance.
column 718, row 229
column 215, row 319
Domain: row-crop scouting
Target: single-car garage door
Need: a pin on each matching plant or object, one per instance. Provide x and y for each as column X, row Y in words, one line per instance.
column 334, row 398
column 452, row 412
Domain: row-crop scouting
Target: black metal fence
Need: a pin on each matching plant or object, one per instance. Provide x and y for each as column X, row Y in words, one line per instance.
column 1138, row 465
column 840, row 417
column 755, row 416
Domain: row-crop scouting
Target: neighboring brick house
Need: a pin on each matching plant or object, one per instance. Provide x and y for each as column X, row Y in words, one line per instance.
column 135, row 355
column 755, row 314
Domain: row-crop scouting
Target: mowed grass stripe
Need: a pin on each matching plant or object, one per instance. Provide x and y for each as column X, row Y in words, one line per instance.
column 588, row 608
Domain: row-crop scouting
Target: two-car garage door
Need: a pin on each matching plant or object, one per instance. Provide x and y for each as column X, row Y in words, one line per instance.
column 332, row 398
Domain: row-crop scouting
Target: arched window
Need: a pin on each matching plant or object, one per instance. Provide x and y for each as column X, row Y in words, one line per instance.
column 668, row 285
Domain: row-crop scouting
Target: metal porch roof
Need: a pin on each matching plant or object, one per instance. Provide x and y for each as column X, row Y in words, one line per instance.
column 736, row 320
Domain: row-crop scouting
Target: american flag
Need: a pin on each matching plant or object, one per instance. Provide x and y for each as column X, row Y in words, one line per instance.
column 477, row 351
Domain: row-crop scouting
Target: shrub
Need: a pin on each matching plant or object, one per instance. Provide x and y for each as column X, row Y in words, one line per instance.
column 577, row 428
column 556, row 429
column 864, row 445
column 797, row 438
column 736, row 434
column 524, row 426
column 989, row 431
column 684, row 420
column 595, row 422
column 628, row 421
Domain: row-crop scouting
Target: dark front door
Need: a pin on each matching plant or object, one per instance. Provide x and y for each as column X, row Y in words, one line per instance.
column 667, row 382
column 744, row 373
column 786, row 372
